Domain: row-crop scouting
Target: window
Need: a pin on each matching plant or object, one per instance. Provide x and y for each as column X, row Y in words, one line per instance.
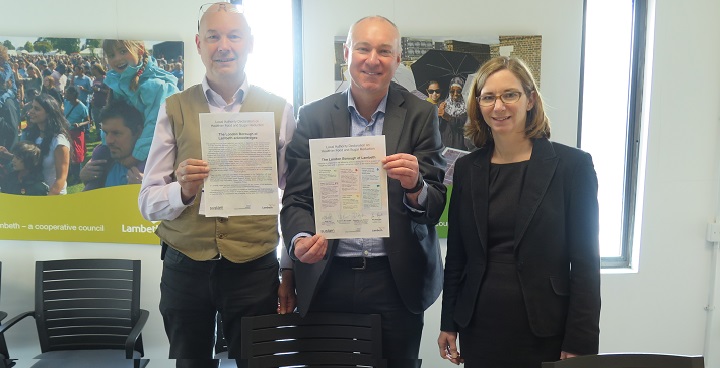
column 270, row 65
column 274, row 65
column 610, row 108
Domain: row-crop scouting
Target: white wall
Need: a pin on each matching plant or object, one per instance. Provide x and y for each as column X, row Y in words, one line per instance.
column 660, row 308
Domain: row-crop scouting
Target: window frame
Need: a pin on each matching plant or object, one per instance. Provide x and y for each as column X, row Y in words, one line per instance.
column 297, row 54
column 633, row 129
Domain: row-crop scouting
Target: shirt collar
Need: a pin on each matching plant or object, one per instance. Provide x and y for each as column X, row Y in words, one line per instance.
column 214, row 99
column 380, row 108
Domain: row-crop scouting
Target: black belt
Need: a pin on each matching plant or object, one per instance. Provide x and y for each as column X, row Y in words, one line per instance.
column 361, row 263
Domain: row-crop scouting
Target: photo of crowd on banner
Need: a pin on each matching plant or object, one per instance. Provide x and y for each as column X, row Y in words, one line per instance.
column 81, row 120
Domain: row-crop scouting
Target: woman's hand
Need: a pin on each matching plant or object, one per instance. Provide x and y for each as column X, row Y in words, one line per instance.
column 441, row 109
column 565, row 355
column 447, row 343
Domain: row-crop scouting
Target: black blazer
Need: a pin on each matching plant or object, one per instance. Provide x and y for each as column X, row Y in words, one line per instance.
column 556, row 244
column 410, row 126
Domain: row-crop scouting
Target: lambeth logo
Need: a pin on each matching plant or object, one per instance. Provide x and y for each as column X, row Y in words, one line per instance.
column 138, row 228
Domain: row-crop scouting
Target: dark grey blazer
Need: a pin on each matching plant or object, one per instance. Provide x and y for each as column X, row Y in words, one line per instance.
column 411, row 126
column 556, row 244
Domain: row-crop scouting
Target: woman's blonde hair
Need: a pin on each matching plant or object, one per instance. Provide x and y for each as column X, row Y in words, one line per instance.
column 537, row 124
column 137, row 48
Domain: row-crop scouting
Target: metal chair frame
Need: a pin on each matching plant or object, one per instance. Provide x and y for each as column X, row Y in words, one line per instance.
column 88, row 304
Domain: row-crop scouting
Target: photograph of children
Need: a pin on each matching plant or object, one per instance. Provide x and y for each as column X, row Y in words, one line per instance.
column 106, row 96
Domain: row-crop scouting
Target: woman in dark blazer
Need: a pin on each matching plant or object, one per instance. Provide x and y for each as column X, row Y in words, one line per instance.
column 522, row 272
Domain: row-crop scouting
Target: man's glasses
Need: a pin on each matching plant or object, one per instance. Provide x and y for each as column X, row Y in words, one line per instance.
column 506, row 98
column 431, row 91
column 221, row 6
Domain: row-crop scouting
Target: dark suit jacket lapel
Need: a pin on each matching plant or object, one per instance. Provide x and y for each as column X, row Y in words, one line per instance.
column 480, row 189
column 340, row 117
column 540, row 171
column 394, row 121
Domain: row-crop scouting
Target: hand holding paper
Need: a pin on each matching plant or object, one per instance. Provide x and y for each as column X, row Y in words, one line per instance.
column 403, row 167
column 190, row 175
column 311, row 249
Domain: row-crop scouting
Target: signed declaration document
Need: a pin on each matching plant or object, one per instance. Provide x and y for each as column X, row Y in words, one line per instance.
column 240, row 149
column 350, row 187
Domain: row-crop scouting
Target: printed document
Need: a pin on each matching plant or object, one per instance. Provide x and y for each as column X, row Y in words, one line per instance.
column 240, row 149
column 350, row 187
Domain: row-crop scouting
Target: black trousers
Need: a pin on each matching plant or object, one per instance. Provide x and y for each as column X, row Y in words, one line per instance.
column 193, row 292
column 373, row 291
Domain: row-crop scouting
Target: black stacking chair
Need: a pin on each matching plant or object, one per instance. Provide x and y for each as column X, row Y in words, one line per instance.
column 318, row 339
column 629, row 360
column 87, row 313
column 5, row 361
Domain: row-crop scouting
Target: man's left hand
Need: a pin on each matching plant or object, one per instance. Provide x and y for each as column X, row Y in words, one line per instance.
column 134, row 176
column 403, row 167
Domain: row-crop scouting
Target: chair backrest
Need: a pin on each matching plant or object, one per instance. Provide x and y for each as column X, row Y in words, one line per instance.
column 629, row 360
column 83, row 304
column 318, row 339
column 3, row 346
column 220, row 342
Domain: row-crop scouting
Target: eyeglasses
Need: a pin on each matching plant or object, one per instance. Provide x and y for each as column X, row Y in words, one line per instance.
column 431, row 91
column 229, row 7
column 506, row 98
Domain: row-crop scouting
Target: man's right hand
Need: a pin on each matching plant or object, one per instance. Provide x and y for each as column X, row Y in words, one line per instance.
column 311, row 249
column 190, row 175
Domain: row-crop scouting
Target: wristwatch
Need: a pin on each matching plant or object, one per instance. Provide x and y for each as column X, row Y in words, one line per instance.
column 420, row 184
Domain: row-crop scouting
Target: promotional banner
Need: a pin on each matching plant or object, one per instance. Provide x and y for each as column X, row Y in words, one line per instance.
column 106, row 215
column 89, row 117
